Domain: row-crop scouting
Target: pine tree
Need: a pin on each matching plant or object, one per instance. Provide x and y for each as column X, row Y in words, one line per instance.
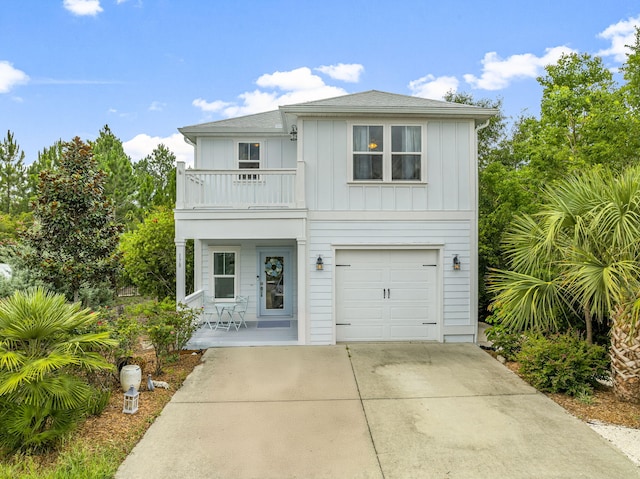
column 13, row 182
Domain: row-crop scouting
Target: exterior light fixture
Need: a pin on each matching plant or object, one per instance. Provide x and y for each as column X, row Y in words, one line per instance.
column 294, row 133
column 131, row 401
column 319, row 263
column 456, row 262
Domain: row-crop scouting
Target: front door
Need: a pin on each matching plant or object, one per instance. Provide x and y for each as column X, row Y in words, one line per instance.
column 275, row 279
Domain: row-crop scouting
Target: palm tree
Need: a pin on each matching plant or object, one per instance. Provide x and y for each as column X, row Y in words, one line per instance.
column 580, row 255
column 45, row 345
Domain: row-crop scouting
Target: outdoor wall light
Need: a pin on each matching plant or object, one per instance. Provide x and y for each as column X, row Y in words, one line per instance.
column 319, row 263
column 456, row 262
column 294, row 133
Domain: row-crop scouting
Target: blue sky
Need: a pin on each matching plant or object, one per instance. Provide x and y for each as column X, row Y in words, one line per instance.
column 147, row 67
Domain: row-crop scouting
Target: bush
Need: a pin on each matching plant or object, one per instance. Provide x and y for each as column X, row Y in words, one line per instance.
column 562, row 363
column 46, row 347
column 168, row 329
column 505, row 341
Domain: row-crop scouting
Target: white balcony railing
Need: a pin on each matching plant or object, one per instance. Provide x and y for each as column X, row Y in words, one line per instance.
column 241, row 188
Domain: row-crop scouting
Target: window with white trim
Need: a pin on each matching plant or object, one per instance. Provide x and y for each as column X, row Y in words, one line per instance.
column 249, row 158
column 224, row 273
column 387, row 153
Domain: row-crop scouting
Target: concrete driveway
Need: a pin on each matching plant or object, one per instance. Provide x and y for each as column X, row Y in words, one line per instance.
column 383, row 410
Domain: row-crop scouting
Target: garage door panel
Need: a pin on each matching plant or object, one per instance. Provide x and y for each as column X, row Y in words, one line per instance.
column 362, row 294
column 364, row 313
column 386, row 295
column 408, row 313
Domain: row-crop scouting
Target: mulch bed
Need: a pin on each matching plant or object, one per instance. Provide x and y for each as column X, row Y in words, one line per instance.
column 603, row 406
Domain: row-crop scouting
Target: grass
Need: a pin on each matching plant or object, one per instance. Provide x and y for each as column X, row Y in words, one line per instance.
column 78, row 462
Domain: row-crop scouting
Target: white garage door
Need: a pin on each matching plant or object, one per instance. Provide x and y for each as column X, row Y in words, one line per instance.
column 386, row 295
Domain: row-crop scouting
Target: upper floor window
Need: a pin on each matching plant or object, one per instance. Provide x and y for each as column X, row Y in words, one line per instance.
column 387, row 153
column 368, row 148
column 406, row 152
column 249, row 157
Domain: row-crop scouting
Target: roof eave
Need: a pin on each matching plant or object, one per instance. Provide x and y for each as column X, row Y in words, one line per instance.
column 378, row 111
column 193, row 133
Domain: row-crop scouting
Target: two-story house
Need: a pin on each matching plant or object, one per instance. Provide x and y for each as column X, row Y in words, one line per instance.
column 346, row 219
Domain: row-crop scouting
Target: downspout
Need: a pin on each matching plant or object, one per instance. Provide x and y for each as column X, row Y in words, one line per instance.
column 479, row 127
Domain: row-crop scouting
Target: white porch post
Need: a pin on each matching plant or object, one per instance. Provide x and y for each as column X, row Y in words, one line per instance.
column 303, row 269
column 180, row 184
column 180, row 270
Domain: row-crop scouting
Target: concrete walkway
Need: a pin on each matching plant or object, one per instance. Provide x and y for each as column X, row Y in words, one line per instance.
column 410, row 410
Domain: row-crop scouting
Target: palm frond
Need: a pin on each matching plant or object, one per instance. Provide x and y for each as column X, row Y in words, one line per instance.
column 526, row 302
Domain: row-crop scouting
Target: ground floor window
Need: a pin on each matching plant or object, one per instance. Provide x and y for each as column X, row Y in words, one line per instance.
column 224, row 277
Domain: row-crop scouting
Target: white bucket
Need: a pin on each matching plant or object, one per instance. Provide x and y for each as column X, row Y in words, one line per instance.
column 130, row 375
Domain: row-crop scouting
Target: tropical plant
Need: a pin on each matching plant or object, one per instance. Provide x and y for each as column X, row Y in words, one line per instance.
column 45, row 348
column 625, row 348
column 579, row 256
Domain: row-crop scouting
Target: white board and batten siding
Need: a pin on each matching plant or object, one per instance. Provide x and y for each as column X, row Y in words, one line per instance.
column 449, row 177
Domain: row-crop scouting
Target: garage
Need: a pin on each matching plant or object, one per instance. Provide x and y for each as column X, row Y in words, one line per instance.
column 387, row 295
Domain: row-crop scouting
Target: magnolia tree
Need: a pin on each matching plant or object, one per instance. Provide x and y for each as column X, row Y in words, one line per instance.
column 73, row 242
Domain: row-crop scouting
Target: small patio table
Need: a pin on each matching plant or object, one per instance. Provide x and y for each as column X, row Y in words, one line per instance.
column 221, row 309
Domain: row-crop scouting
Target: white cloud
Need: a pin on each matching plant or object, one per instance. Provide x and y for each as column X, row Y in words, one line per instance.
column 295, row 86
column 431, row 87
column 345, row 72
column 10, row 77
column 83, row 7
column 142, row 145
column 620, row 35
column 213, row 106
column 298, row 79
column 157, row 106
column 498, row 73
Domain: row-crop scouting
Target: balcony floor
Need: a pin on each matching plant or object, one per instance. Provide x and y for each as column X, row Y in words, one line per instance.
column 252, row 335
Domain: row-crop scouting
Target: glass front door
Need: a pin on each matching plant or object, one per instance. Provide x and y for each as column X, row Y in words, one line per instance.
column 275, row 276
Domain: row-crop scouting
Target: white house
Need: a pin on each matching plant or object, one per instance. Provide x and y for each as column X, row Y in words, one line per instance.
column 347, row 219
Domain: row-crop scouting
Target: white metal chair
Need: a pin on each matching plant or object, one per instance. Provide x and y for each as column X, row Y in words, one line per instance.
column 241, row 309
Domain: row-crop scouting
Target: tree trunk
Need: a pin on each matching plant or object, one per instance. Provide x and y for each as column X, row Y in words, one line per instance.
column 625, row 357
column 588, row 320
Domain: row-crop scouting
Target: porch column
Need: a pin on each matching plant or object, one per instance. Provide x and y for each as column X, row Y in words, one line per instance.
column 180, row 184
column 303, row 268
column 180, row 270
column 197, row 265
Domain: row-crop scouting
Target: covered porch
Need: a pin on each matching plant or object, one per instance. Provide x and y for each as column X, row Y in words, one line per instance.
column 273, row 332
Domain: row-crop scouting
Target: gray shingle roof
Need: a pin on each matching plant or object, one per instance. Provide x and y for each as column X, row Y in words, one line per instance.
column 373, row 102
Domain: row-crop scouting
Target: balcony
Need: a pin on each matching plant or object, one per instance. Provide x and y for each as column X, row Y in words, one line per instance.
column 239, row 188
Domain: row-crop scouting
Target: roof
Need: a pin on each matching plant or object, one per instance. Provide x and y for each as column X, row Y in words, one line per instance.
column 379, row 103
column 370, row 103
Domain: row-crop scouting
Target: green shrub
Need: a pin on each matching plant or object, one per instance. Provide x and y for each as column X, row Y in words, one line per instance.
column 562, row 363
column 169, row 329
column 505, row 341
column 46, row 347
